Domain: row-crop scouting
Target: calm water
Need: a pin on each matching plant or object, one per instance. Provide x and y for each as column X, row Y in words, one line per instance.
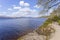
column 10, row 29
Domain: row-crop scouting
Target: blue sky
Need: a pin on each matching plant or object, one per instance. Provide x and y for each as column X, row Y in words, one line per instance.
column 19, row 8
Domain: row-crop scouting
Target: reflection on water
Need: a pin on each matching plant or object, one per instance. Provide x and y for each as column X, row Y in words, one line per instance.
column 10, row 29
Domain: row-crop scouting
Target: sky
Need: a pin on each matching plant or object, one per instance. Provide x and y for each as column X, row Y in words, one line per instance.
column 19, row 8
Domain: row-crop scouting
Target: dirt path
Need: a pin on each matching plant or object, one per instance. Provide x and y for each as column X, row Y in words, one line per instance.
column 32, row 36
column 57, row 33
column 35, row 36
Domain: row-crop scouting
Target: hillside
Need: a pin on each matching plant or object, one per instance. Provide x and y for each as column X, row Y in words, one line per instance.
column 35, row 36
column 48, row 31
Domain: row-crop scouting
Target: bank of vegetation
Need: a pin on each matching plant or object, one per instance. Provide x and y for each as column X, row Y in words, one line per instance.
column 46, row 29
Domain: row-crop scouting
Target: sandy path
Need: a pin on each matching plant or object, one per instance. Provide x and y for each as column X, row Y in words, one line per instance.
column 57, row 33
column 35, row 36
column 32, row 36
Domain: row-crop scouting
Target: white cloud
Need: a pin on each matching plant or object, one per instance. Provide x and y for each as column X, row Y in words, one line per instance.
column 3, row 14
column 36, row 6
column 25, row 12
column 26, row 4
column 10, row 9
column 16, row 7
column 22, row 3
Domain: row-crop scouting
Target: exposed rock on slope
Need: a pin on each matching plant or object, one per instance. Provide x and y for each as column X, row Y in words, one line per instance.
column 35, row 36
column 32, row 36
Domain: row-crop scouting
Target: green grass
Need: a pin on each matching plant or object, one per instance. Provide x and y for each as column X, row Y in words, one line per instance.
column 45, row 29
column 58, row 22
column 49, row 21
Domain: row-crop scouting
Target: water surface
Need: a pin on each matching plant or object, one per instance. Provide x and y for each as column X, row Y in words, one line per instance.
column 10, row 29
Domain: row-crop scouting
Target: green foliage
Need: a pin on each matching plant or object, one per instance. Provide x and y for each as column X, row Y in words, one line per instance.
column 46, row 25
column 46, row 29
column 58, row 22
column 55, row 18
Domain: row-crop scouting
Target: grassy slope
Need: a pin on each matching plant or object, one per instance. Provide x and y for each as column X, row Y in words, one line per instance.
column 45, row 29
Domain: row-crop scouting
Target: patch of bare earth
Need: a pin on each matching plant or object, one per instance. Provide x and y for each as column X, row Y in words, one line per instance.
column 35, row 36
column 32, row 36
column 57, row 32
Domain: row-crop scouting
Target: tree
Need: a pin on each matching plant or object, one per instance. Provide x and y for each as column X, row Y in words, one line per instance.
column 47, row 4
